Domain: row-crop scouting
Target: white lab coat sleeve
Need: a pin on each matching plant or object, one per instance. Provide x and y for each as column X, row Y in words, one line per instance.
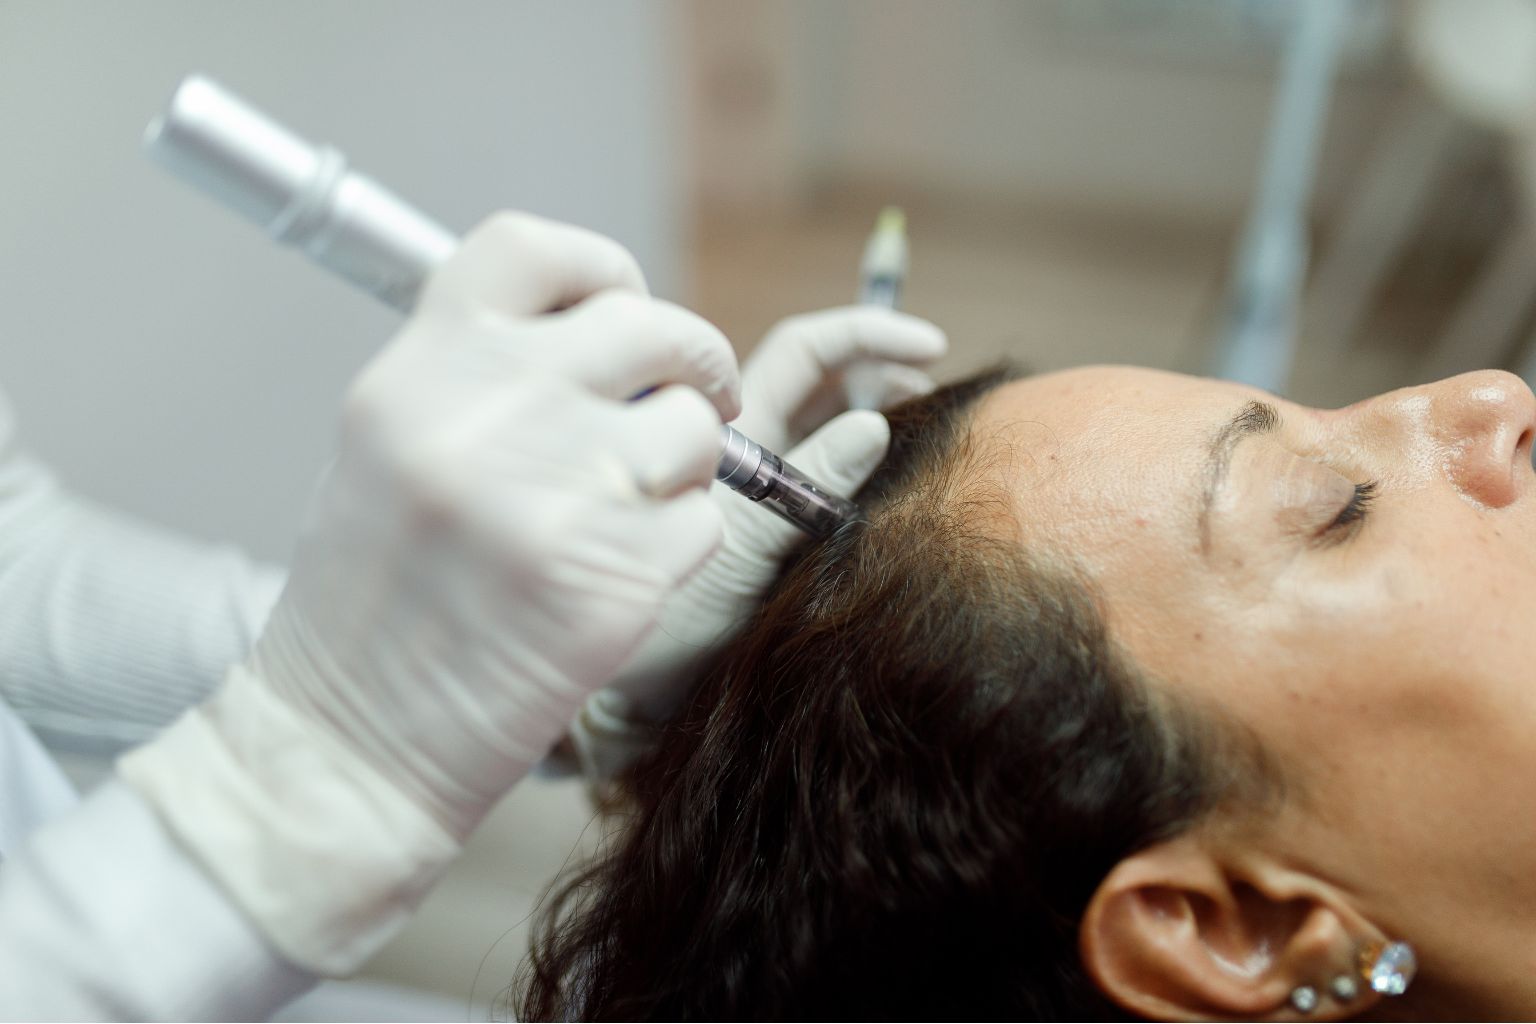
column 109, row 627
column 103, row 916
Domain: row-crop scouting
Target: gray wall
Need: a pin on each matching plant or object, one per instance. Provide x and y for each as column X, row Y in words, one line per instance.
column 162, row 354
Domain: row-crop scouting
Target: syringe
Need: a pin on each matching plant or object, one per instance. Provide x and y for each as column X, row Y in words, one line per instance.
column 305, row 196
column 881, row 275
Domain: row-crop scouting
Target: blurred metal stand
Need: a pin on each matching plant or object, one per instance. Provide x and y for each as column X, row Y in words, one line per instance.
column 1478, row 59
column 1377, row 221
column 1256, row 343
column 1474, row 60
column 1482, row 326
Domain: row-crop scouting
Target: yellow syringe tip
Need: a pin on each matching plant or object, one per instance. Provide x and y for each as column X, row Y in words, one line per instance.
column 893, row 220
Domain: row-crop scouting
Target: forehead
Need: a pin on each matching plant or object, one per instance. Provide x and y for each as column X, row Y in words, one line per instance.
column 1095, row 456
column 1101, row 423
column 1099, row 397
column 1104, row 468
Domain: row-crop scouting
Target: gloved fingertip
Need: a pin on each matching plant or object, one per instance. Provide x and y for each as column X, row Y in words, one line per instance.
column 924, row 340
column 728, row 402
column 903, row 382
column 883, row 385
column 690, row 531
column 845, row 451
column 940, row 337
column 932, row 334
column 670, row 440
column 724, row 391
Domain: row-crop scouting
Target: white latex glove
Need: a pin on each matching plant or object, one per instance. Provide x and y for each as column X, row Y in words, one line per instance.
column 791, row 385
column 493, row 541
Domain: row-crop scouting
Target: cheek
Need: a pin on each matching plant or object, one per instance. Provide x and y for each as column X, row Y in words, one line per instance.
column 1405, row 766
column 1459, row 603
column 1400, row 699
column 1450, row 597
column 1405, row 777
column 1389, row 648
column 1425, row 651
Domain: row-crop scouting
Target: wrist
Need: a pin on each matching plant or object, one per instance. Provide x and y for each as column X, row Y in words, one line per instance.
column 450, row 749
column 323, row 853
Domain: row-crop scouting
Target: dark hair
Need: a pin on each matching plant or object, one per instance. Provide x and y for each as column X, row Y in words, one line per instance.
column 895, row 791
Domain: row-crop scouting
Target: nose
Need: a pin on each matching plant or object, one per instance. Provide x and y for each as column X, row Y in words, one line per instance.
column 1485, row 422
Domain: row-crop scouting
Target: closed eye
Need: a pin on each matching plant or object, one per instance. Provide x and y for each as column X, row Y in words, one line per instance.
column 1347, row 523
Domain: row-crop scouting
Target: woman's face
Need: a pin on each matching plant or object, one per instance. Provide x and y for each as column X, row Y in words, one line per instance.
column 1356, row 586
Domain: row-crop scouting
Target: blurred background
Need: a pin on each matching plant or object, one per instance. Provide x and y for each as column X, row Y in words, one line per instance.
column 1328, row 197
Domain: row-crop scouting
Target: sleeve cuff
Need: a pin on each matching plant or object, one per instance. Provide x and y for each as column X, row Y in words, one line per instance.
column 103, row 916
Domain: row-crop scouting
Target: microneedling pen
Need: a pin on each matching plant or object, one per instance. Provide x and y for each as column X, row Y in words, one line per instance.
column 305, row 196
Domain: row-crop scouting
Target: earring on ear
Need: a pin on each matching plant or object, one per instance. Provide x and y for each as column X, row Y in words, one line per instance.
column 1344, row 987
column 1304, row 998
column 1387, row 967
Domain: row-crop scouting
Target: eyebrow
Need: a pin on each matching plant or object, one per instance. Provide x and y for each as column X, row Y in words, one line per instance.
column 1252, row 419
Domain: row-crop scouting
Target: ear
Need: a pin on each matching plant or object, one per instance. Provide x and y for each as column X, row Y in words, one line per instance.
column 1190, row 929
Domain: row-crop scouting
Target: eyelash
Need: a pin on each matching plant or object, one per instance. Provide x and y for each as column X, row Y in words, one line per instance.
column 1347, row 523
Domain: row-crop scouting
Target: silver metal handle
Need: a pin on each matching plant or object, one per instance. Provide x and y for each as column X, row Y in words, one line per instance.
column 300, row 194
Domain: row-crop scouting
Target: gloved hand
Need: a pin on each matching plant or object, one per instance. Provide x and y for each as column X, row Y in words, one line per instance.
column 791, row 385
column 493, row 541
